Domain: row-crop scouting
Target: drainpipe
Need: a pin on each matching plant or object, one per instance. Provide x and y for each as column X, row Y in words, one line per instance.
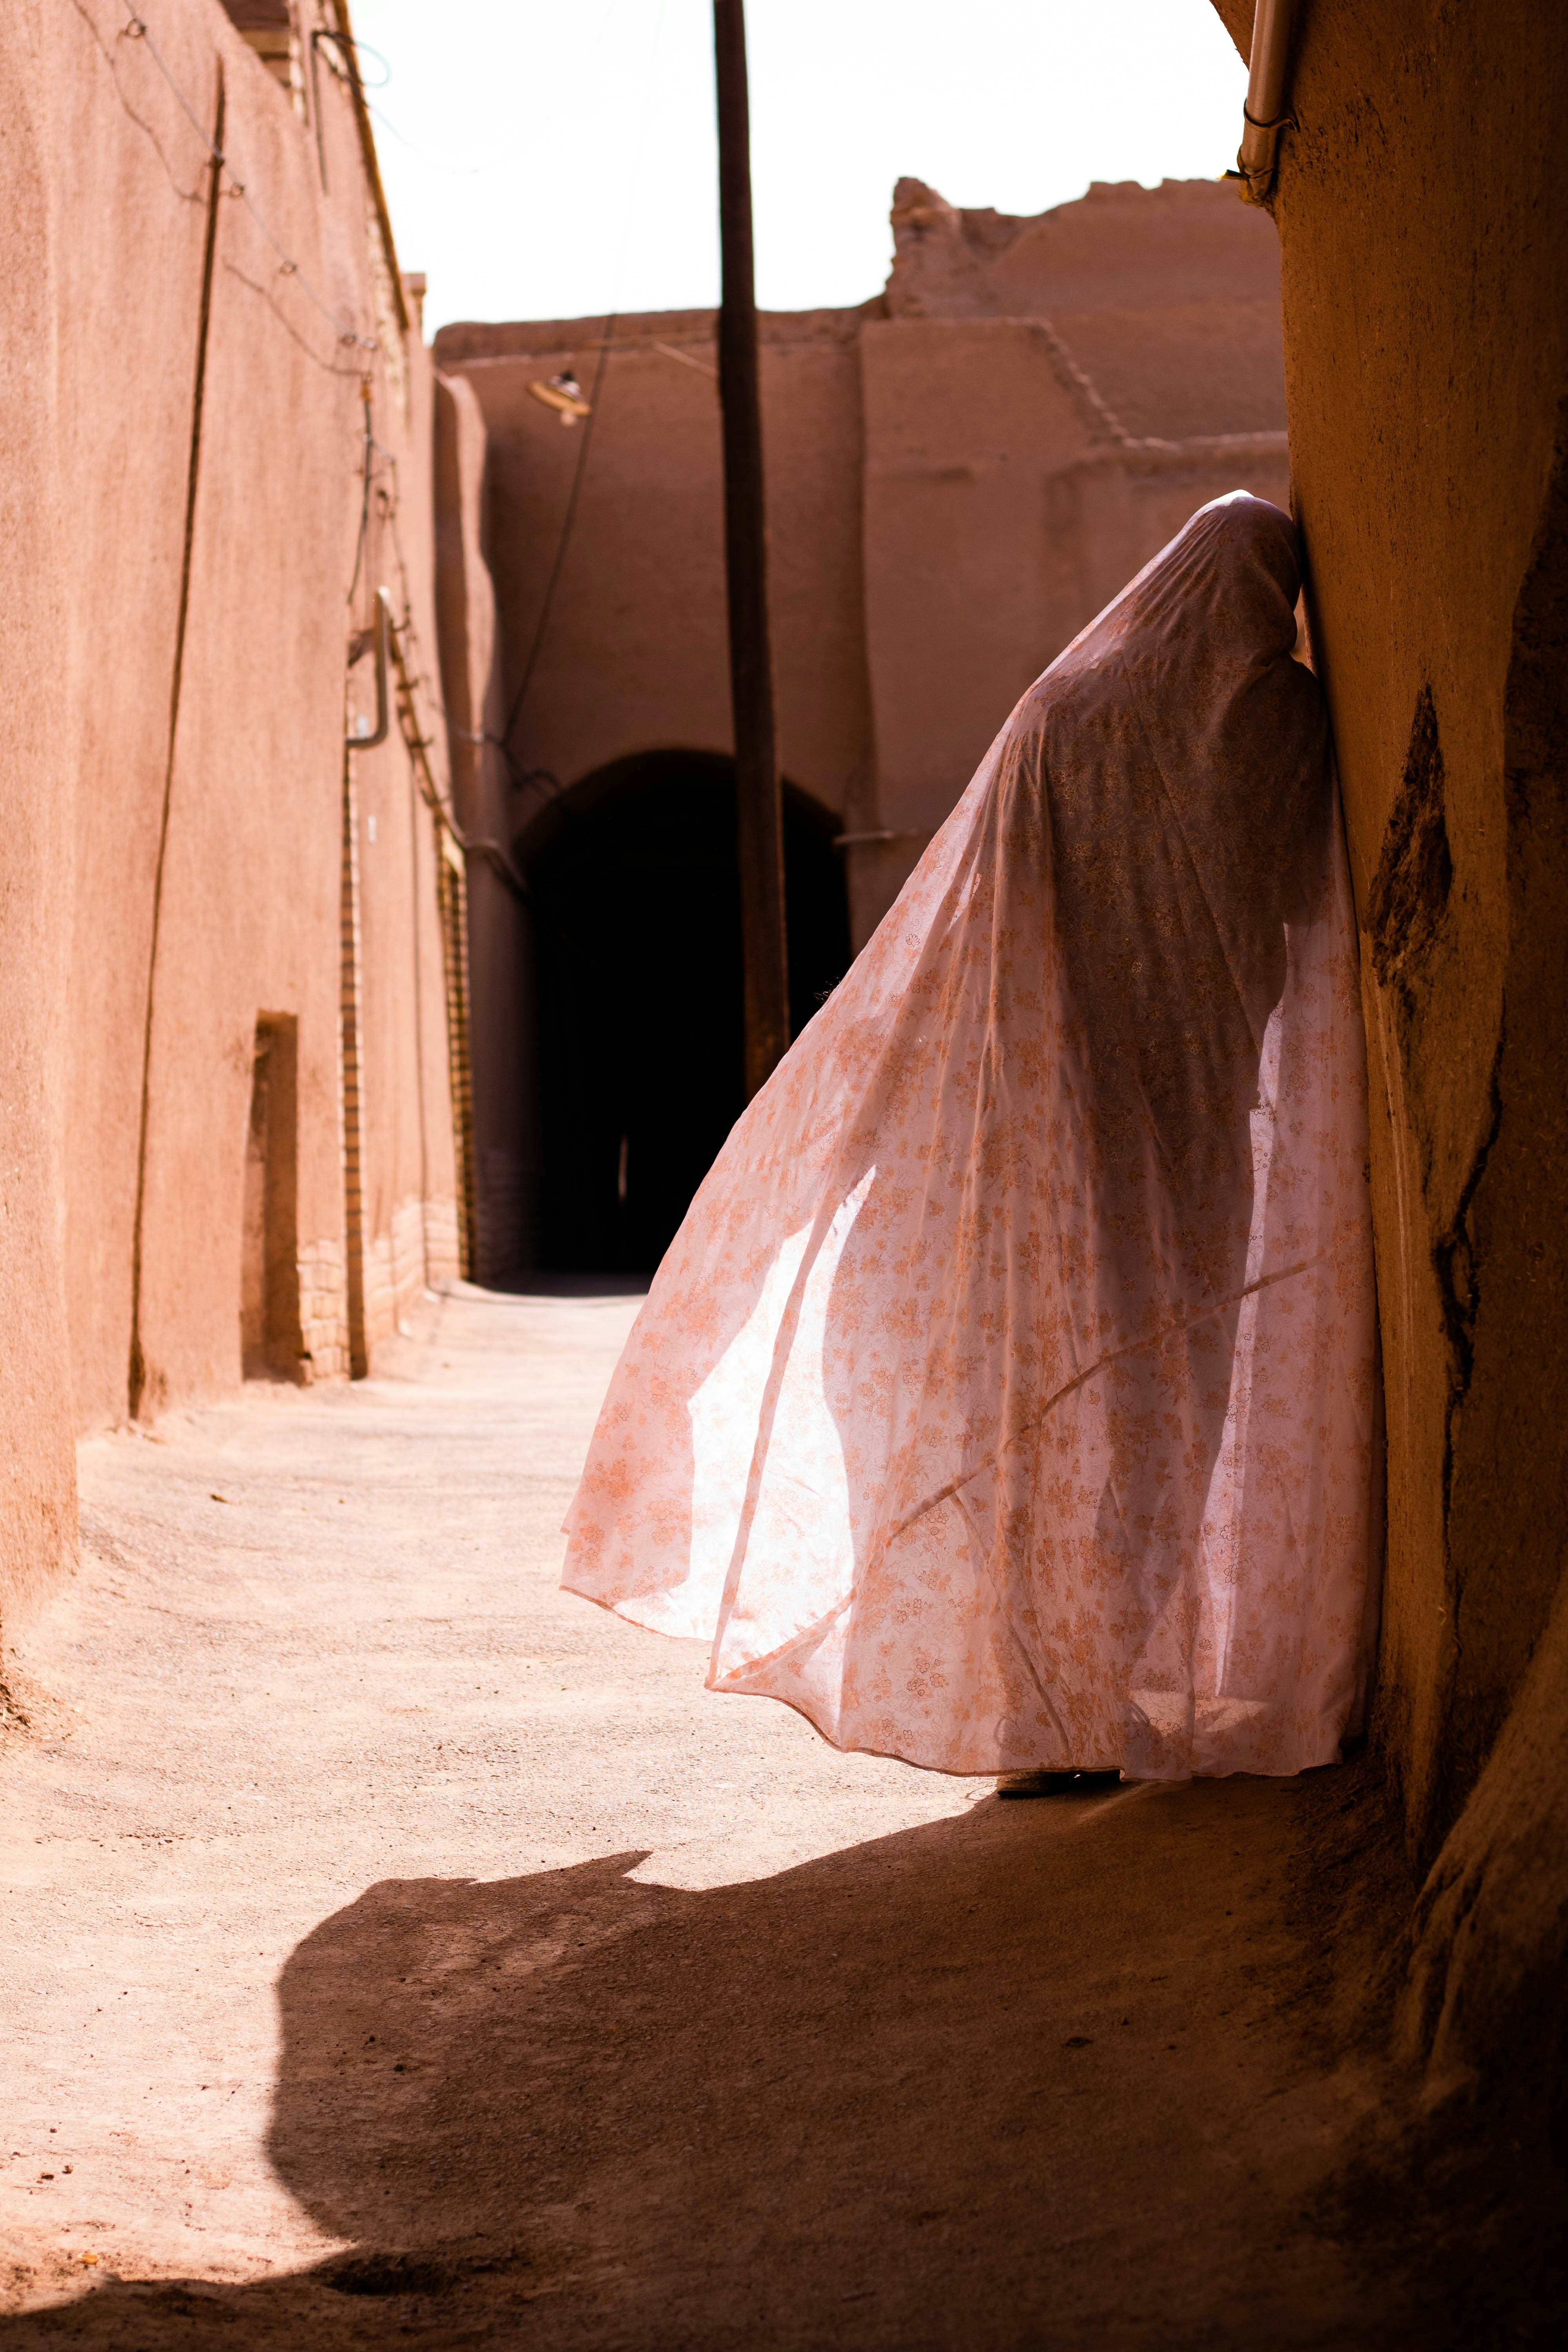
column 1265, row 113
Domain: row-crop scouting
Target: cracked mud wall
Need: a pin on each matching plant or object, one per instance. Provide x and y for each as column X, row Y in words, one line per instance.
column 1424, row 282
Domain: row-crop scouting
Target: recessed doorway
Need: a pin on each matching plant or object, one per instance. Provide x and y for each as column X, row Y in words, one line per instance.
column 635, row 886
column 271, row 1344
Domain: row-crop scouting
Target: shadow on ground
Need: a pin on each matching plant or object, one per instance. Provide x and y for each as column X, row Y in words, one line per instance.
column 1050, row 2074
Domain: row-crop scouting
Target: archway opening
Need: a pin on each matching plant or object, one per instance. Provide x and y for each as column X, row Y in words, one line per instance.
column 636, row 894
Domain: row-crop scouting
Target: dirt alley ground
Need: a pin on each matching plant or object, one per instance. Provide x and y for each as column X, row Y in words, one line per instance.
column 396, row 1949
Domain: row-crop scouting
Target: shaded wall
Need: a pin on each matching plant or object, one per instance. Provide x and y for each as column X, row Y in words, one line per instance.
column 1420, row 209
column 173, row 864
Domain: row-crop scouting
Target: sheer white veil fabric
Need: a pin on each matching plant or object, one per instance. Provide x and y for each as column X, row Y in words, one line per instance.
column 1007, row 1397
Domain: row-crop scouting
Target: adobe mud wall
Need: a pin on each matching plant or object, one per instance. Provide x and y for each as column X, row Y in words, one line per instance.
column 1425, row 284
column 184, row 482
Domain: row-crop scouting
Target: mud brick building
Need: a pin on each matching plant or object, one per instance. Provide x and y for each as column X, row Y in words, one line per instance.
column 229, row 1132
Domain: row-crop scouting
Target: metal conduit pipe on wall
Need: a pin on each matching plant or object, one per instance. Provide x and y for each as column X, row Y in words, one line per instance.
column 1264, row 115
column 363, row 737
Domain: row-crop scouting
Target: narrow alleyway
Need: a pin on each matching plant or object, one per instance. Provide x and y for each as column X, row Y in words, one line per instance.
column 392, row 1946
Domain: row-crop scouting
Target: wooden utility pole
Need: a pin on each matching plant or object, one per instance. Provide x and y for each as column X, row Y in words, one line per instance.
column 760, row 805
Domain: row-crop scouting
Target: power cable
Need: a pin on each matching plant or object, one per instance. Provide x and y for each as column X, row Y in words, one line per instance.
column 356, row 49
column 137, row 28
column 504, row 739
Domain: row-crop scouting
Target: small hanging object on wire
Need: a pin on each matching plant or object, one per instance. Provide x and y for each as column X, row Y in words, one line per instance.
column 565, row 393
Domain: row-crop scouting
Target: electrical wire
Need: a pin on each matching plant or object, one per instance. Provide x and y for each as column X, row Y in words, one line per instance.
column 519, row 698
column 137, row 28
column 383, row 490
column 356, row 48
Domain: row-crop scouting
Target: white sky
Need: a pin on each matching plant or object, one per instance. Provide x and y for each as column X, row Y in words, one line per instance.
column 556, row 158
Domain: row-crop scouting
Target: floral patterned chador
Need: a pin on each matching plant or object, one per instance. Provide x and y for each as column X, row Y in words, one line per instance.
column 1006, row 1398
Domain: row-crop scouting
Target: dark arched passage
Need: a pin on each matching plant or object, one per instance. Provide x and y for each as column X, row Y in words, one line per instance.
column 638, row 939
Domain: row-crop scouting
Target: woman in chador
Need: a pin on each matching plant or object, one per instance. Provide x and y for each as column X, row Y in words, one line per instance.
column 1005, row 1401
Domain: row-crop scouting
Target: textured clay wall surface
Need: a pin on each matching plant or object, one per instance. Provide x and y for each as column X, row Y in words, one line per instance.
column 968, row 590
column 174, row 871
column 1420, row 208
